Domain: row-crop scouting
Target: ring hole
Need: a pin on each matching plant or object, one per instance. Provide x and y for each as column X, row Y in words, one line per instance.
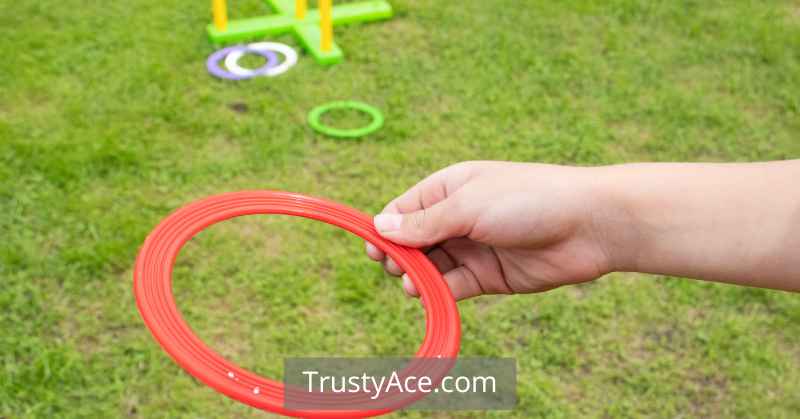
column 252, row 61
column 346, row 118
column 260, row 288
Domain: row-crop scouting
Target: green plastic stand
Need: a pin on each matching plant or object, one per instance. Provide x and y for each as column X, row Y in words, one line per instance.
column 306, row 30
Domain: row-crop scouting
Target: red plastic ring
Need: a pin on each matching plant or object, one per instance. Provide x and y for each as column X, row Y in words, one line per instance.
column 153, row 289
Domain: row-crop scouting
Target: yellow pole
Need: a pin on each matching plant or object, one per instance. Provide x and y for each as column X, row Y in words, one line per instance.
column 326, row 24
column 220, row 11
column 300, row 7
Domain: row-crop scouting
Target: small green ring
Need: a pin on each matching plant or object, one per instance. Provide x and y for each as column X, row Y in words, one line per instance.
column 316, row 113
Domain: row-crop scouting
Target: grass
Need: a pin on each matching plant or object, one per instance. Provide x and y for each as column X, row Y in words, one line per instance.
column 108, row 122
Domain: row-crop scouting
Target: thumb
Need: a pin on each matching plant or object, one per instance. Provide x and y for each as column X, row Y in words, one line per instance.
column 424, row 227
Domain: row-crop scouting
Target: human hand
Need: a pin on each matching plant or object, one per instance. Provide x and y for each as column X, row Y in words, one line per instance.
column 501, row 228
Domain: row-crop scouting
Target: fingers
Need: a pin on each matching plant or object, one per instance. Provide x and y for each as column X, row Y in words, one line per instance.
column 428, row 192
column 374, row 253
column 442, row 260
column 463, row 283
column 378, row 255
column 392, row 267
column 409, row 287
column 470, row 269
column 447, row 219
column 428, row 213
column 462, row 280
column 462, row 263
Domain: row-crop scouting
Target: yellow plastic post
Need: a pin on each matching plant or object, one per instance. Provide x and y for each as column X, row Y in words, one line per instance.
column 300, row 7
column 326, row 24
column 220, row 10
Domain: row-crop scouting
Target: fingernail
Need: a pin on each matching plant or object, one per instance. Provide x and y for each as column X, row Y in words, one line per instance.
column 408, row 287
column 386, row 223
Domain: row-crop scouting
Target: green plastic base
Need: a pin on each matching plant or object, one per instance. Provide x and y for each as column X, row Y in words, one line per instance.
column 306, row 30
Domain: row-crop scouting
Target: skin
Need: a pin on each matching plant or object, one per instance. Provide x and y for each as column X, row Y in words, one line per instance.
column 509, row 228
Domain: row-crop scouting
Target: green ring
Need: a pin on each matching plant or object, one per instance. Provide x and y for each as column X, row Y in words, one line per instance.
column 316, row 113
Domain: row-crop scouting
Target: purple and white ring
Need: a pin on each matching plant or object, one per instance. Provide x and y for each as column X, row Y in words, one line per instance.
column 289, row 59
column 212, row 64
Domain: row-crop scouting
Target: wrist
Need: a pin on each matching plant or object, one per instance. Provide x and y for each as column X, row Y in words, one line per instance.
column 614, row 219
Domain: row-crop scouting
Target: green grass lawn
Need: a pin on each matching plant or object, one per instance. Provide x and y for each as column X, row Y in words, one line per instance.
column 109, row 121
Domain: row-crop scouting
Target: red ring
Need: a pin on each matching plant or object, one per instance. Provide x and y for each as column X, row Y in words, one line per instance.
column 153, row 289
